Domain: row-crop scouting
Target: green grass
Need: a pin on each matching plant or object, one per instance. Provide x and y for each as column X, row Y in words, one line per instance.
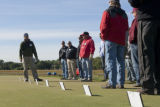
column 16, row 93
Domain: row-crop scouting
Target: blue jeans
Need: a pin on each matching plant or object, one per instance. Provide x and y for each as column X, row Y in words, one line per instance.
column 103, row 67
column 135, row 62
column 87, row 68
column 79, row 66
column 115, row 63
column 64, row 68
column 131, row 74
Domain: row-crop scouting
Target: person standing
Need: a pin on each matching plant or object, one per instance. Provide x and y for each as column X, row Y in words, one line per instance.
column 86, row 55
column 113, row 28
column 102, row 55
column 26, row 52
column 134, row 47
column 71, row 61
column 63, row 60
column 148, row 44
column 79, row 62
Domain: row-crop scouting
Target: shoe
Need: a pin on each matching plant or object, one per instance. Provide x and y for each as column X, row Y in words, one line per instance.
column 146, row 92
column 26, row 80
column 89, row 80
column 84, row 80
column 38, row 79
column 120, row 86
column 109, row 87
column 137, row 85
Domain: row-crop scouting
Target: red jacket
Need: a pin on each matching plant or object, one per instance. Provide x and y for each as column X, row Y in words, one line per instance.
column 114, row 25
column 87, row 48
column 133, row 32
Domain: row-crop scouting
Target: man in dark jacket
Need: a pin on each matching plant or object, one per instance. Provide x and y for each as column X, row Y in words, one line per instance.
column 148, row 44
column 63, row 60
column 71, row 61
column 114, row 26
column 27, row 49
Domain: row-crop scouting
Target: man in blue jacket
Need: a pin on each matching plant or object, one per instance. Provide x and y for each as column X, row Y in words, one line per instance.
column 148, row 44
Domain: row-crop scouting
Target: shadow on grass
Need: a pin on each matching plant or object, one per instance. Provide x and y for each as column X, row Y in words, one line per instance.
column 96, row 95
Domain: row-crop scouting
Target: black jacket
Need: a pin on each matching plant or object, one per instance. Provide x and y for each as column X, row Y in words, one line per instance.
column 147, row 9
column 71, row 52
column 27, row 49
column 62, row 53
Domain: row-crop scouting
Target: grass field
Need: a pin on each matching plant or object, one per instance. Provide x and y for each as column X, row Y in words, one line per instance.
column 16, row 93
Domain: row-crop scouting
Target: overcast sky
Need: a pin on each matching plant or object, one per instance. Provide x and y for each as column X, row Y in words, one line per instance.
column 48, row 22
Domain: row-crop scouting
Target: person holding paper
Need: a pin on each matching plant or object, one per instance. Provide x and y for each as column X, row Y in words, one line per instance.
column 27, row 49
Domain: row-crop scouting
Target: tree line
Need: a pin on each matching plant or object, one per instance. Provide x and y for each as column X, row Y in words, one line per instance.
column 44, row 65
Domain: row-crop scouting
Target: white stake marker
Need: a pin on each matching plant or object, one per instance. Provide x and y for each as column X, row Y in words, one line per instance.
column 36, row 82
column 87, row 90
column 47, row 83
column 62, row 86
column 135, row 99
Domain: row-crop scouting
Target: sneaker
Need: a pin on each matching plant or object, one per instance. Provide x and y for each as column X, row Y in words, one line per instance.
column 84, row 80
column 146, row 92
column 26, row 80
column 89, row 79
column 109, row 87
column 120, row 86
column 38, row 79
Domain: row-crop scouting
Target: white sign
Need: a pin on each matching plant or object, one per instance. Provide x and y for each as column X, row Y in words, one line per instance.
column 135, row 99
column 36, row 82
column 62, row 86
column 47, row 83
column 87, row 90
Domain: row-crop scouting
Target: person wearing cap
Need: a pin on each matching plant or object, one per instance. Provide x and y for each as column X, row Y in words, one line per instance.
column 113, row 28
column 86, row 55
column 71, row 53
column 79, row 62
column 63, row 60
column 26, row 52
column 134, row 47
column 148, row 44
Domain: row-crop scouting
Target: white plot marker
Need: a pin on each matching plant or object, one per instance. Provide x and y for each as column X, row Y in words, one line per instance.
column 135, row 99
column 87, row 90
column 36, row 82
column 62, row 86
column 47, row 83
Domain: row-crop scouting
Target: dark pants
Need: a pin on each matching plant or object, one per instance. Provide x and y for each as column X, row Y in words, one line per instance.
column 149, row 53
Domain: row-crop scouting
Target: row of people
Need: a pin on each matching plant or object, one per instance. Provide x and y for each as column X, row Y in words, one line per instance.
column 82, row 56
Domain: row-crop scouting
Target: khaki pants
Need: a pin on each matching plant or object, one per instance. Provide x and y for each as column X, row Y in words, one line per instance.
column 29, row 62
column 71, row 68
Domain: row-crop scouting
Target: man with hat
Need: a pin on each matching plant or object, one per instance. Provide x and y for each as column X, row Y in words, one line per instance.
column 27, row 49
column 148, row 44
column 113, row 28
column 86, row 55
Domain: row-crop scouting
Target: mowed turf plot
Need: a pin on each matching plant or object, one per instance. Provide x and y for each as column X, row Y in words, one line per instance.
column 16, row 93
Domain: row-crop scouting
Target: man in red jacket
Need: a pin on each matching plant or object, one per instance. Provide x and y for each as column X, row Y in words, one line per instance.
column 113, row 28
column 86, row 54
